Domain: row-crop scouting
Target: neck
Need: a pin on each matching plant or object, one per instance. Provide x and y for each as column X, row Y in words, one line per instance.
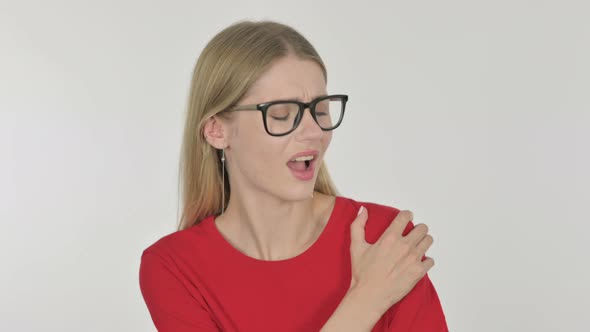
column 266, row 227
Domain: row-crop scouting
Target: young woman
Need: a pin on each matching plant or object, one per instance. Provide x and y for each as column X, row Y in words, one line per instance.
column 265, row 242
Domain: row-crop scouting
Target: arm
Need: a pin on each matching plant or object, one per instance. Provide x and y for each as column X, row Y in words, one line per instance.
column 419, row 311
column 171, row 306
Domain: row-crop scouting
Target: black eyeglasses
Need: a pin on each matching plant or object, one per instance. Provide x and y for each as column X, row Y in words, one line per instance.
column 282, row 117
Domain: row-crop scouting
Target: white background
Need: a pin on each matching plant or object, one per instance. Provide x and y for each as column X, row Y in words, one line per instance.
column 474, row 115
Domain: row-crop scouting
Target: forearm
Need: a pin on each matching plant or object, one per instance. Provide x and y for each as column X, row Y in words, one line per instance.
column 352, row 315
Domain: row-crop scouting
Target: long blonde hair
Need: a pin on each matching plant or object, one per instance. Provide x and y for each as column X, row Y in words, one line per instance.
column 228, row 65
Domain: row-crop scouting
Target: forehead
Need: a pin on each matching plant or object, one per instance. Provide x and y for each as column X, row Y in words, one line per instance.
column 288, row 78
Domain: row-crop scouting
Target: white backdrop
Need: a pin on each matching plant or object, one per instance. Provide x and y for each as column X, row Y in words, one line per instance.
column 474, row 115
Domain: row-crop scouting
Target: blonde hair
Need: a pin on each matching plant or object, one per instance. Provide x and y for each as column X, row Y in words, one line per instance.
column 228, row 65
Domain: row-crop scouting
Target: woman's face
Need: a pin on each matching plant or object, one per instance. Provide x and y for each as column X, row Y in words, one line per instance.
column 259, row 162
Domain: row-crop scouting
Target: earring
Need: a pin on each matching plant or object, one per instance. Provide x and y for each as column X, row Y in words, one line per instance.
column 222, row 181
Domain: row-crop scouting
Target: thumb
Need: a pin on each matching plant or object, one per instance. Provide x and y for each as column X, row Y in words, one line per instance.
column 357, row 228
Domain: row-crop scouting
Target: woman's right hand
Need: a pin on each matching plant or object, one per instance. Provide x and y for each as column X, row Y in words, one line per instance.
column 384, row 272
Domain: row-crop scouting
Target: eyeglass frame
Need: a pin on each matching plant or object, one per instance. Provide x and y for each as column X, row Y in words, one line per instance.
column 263, row 107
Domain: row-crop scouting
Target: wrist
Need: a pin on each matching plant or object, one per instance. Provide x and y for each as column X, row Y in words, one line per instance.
column 362, row 305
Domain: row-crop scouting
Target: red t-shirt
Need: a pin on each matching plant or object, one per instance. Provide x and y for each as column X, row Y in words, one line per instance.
column 194, row 280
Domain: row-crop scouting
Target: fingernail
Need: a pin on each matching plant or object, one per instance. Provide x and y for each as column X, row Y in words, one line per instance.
column 360, row 210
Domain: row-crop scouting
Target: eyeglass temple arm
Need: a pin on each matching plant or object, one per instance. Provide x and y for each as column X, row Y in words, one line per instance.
column 244, row 108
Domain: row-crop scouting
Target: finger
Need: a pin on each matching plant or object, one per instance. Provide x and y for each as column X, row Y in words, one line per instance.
column 399, row 223
column 423, row 245
column 427, row 263
column 357, row 228
column 417, row 234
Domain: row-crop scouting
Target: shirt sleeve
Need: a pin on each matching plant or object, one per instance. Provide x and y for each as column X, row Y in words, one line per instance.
column 171, row 306
column 419, row 311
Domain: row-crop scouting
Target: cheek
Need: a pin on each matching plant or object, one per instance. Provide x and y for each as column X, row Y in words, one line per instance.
column 258, row 154
column 263, row 165
column 326, row 139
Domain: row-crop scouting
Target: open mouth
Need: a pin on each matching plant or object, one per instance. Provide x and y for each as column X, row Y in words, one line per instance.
column 301, row 165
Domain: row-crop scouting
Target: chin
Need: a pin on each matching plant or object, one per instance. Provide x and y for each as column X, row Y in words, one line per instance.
column 299, row 193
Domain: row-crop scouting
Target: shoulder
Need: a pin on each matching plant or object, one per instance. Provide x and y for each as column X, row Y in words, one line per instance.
column 376, row 208
column 380, row 216
column 180, row 244
column 376, row 211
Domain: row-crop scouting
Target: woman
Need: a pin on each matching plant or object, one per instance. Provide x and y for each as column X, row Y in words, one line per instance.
column 265, row 242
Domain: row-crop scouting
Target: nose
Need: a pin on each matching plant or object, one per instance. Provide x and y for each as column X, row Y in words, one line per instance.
column 308, row 128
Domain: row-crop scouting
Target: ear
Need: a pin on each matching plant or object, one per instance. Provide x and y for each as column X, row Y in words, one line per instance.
column 215, row 131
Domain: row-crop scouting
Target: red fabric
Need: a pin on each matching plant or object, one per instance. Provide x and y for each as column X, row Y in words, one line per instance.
column 194, row 280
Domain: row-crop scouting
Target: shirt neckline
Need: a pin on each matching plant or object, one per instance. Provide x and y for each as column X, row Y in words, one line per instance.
column 315, row 246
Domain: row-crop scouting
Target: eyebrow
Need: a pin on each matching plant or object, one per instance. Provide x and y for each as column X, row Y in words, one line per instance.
column 299, row 99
